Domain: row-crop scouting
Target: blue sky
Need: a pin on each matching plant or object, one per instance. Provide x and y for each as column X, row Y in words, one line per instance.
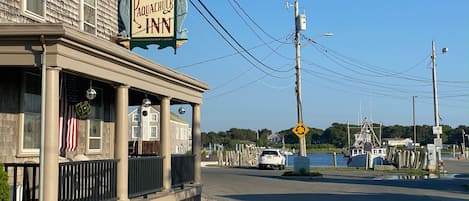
column 378, row 58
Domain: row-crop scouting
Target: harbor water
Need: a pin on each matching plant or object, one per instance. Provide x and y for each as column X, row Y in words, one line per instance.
column 327, row 159
column 320, row 160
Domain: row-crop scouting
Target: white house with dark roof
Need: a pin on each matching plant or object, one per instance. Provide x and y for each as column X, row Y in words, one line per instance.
column 275, row 138
column 147, row 125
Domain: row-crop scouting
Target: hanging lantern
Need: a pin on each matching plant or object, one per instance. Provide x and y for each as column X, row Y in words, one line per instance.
column 181, row 110
column 91, row 93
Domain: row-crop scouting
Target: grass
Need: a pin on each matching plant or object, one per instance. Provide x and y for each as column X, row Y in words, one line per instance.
column 408, row 171
column 301, row 173
column 323, row 150
column 397, row 171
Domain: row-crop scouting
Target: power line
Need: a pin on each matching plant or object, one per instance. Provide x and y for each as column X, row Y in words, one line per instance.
column 226, row 40
column 255, row 33
column 236, row 41
column 236, row 89
column 257, row 25
column 378, row 71
column 216, row 58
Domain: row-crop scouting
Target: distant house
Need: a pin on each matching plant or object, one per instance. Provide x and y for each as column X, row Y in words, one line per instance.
column 145, row 122
column 397, row 141
column 275, row 138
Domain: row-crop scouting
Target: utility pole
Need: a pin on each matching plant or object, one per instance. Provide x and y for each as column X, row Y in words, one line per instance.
column 435, row 90
column 415, row 127
column 463, row 144
column 298, row 77
column 436, row 129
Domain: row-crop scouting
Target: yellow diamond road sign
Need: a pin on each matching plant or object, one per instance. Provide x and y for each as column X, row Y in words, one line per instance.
column 300, row 130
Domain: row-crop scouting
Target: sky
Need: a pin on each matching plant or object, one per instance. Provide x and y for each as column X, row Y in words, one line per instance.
column 378, row 58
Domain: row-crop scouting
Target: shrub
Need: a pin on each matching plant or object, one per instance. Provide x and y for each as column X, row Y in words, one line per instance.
column 4, row 187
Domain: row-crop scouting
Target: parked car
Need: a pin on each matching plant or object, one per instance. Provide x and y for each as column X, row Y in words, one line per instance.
column 272, row 158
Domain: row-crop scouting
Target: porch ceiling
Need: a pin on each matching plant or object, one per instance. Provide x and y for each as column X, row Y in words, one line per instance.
column 82, row 53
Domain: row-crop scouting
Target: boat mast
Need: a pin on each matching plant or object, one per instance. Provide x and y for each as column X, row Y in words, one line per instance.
column 348, row 134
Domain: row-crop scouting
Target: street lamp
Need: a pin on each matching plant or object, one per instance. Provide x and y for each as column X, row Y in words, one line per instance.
column 313, row 39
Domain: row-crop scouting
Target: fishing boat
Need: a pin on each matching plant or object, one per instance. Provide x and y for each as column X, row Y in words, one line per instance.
column 367, row 149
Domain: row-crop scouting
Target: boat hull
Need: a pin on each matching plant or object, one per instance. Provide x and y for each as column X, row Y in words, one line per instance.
column 362, row 161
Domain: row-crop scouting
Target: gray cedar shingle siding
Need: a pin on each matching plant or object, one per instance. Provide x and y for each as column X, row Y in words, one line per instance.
column 67, row 12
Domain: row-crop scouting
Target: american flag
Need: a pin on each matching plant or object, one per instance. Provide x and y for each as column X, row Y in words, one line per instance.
column 68, row 124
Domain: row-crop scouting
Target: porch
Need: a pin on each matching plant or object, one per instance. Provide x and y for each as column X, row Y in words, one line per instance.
column 69, row 63
column 96, row 179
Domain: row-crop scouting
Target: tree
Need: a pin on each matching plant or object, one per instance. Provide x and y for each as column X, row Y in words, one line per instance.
column 336, row 135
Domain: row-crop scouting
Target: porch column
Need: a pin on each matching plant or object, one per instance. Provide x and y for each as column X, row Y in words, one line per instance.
column 121, row 145
column 51, row 136
column 165, row 140
column 196, row 142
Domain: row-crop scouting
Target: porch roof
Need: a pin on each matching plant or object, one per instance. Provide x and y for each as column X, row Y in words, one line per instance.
column 78, row 52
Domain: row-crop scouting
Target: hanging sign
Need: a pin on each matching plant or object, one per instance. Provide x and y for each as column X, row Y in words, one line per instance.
column 153, row 22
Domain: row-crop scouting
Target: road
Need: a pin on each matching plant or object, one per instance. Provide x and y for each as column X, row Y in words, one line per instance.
column 267, row 185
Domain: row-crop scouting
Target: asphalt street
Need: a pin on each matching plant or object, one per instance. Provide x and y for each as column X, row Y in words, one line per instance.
column 268, row 185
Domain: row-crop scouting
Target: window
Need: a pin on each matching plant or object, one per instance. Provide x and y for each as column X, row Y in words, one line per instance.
column 135, row 132
column 95, row 135
column 136, row 117
column 31, row 129
column 178, row 134
column 95, row 120
column 89, row 16
column 154, row 117
column 35, row 8
column 154, row 132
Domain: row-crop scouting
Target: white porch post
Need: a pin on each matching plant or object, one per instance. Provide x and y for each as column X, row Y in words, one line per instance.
column 121, row 145
column 196, row 142
column 165, row 142
column 51, row 137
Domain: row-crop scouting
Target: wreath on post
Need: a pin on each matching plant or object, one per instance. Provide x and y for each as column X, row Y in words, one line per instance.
column 83, row 109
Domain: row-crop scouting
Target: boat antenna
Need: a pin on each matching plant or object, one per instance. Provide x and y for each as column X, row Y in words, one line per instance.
column 371, row 109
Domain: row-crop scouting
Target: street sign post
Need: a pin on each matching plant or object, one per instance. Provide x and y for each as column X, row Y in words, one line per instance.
column 437, row 130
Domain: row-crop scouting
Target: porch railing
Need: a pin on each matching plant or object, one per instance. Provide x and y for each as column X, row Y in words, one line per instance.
column 88, row 180
column 182, row 169
column 25, row 180
column 96, row 179
column 145, row 175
